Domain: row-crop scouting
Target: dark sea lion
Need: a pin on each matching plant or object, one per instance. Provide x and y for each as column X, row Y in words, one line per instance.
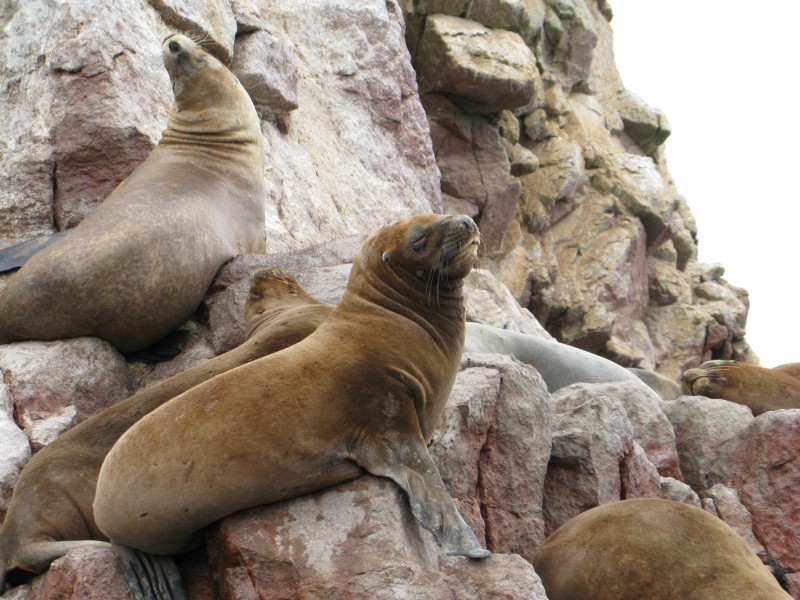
column 51, row 509
column 139, row 265
column 759, row 388
column 363, row 392
column 651, row 549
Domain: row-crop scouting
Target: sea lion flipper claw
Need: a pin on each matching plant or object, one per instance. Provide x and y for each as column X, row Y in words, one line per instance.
column 409, row 464
column 150, row 577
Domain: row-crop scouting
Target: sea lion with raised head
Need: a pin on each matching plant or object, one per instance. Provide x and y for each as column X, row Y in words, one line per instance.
column 654, row 549
column 757, row 387
column 50, row 511
column 364, row 392
column 139, row 265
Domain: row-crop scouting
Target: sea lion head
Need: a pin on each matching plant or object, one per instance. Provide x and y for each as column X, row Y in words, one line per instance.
column 709, row 379
column 437, row 249
column 200, row 82
column 271, row 286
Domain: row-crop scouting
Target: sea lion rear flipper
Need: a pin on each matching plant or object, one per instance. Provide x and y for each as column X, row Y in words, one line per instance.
column 17, row 255
column 150, row 577
column 408, row 463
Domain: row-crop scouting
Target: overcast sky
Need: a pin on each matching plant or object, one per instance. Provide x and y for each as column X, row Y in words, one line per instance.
column 727, row 75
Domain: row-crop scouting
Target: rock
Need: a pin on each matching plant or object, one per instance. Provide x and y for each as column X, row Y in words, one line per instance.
column 556, row 183
column 724, row 502
column 15, row 449
column 760, row 463
column 672, row 489
column 475, row 167
column 702, row 427
column 571, row 38
column 638, row 476
column 591, row 436
column 266, row 67
column 490, row 69
column 86, row 573
column 643, row 191
column 652, row 429
column 357, row 540
column 525, row 17
column 490, row 302
column 100, row 104
column 358, row 138
column 69, row 380
column 492, row 448
column 646, row 126
column 600, row 293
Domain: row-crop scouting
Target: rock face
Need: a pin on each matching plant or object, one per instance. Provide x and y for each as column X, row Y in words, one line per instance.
column 510, row 111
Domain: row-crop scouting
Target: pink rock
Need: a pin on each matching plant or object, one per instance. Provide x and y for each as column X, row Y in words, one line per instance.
column 85, row 573
column 44, row 379
column 761, row 464
column 266, row 67
column 591, row 437
column 356, row 540
column 474, row 164
column 724, row 502
column 492, row 448
column 639, row 476
column 672, row 489
column 15, row 449
column 702, row 426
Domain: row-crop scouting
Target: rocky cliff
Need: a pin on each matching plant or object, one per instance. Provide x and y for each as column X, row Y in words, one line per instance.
column 511, row 111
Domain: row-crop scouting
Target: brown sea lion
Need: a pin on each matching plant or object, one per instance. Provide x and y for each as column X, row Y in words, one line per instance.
column 759, row 388
column 654, row 549
column 363, row 392
column 139, row 265
column 51, row 509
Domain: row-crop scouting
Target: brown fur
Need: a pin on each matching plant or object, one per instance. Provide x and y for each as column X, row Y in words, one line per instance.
column 759, row 388
column 51, row 509
column 139, row 265
column 364, row 391
column 654, row 549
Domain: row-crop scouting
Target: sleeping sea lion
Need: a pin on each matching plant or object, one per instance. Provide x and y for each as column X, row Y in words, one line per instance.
column 759, row 388
column 654, row 549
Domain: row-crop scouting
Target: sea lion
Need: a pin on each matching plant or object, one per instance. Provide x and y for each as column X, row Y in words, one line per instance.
column 667, row 389
column 759, row 388
column 651, row 548
column 50, row 511
column 559, row 364
column 364, row 392
column 139, row 264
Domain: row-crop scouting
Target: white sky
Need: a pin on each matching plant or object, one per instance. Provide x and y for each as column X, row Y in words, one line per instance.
column 727, row 74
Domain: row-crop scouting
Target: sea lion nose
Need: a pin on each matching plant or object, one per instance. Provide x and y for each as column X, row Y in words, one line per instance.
column 173, row 46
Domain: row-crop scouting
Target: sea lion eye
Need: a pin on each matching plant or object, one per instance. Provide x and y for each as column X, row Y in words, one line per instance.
column 417, row 238
column 385, row 257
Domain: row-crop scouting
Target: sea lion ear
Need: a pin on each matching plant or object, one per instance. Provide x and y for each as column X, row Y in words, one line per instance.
column 385, row 257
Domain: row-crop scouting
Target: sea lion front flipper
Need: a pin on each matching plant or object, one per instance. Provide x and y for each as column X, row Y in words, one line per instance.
column 16, row 255
column 150, row 577
column 406, row 461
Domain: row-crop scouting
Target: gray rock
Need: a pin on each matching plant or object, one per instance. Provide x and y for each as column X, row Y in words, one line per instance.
column 702, row 426
column 266, row 67
column 492, row 69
